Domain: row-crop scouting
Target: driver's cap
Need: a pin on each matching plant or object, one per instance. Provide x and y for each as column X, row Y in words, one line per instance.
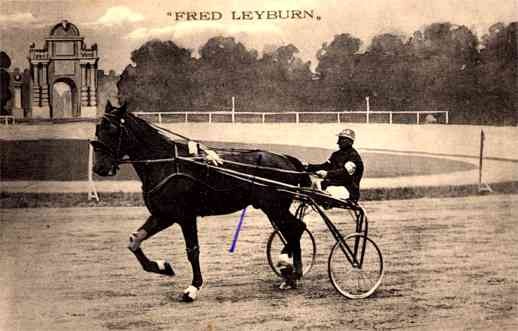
column 347, row 133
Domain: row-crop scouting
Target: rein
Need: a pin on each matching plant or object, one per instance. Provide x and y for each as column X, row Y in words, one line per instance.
column 115, row 155
column 127, row 161
column 194, row 159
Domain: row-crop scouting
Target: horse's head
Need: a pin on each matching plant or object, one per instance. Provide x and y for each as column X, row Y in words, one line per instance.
column 109, row 146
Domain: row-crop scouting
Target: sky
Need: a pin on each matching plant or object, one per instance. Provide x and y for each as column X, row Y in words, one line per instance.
column 118, row 27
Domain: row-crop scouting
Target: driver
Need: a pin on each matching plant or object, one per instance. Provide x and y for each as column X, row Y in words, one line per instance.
column 343, row 171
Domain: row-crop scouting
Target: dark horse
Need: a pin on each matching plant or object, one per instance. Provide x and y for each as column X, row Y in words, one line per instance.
column 179, row 185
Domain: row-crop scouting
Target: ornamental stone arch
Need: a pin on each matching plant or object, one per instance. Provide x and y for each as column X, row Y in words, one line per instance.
column 64, row 59
column 64, row 99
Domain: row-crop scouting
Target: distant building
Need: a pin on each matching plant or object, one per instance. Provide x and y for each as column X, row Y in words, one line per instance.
column 107, row 89
column 64, row 75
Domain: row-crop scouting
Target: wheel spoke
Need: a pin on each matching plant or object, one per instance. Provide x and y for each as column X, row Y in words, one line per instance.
column 354, row 282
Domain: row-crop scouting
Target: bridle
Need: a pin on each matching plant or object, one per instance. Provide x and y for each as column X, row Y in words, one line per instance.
column 98, row 145
column 116, row 154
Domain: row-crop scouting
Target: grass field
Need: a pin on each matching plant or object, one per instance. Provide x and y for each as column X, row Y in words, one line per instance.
column 67, row 159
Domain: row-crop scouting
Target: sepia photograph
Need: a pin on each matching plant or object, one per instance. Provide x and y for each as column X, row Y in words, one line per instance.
column 258, row 165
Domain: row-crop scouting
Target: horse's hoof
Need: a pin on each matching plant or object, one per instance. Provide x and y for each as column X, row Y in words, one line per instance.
column 288, row 285
column 187, row 298
column 286, row 272
column 165, row 268
column 190, row 294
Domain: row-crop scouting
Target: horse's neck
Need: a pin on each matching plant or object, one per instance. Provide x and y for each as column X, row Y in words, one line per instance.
column 152, row 173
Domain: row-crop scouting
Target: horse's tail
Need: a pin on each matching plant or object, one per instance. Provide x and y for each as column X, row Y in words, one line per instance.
column 304, row 179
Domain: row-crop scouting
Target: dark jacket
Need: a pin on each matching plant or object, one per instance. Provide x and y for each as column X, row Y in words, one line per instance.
column 337, row 175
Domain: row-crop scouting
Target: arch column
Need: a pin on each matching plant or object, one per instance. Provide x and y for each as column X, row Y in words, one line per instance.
column 88, row 88
column 84, row 86
column 44, row 85
column 93, row 86
column 40, row 90
column 36, row 90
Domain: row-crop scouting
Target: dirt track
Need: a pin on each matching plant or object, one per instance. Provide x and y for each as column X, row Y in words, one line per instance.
column 450, row 264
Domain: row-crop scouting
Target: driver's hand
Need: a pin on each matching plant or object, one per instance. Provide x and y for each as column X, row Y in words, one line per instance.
column 321, row 173
column 213, row 157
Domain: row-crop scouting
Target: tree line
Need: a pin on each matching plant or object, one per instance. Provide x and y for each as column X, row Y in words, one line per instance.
column 442, row 67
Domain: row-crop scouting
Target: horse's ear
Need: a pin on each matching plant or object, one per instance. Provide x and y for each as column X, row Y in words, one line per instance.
column 109, row 108
column 120, row 111
column 123, row 109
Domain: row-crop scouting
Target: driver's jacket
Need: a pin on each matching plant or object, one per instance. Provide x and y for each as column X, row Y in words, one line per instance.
column 344, row 168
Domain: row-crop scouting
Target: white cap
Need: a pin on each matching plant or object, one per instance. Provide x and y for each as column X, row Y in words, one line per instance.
column 347, row 133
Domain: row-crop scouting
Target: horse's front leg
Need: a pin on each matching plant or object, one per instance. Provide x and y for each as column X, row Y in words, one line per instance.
column 152, row 226
column 190, row 234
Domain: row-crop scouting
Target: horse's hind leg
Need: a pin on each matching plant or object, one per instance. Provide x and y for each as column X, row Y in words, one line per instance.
column 190, row 234
column 291, row 229
column 152, row 226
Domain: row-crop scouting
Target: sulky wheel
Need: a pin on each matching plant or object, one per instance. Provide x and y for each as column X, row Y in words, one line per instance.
column 351, row 280
column 276, row 243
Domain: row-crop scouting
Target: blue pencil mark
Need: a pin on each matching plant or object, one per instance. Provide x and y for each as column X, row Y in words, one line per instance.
column 236, row 233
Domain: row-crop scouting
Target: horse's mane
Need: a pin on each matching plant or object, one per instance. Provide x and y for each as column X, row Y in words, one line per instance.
column 163, row 141
column 155, row 138
column 152, row 134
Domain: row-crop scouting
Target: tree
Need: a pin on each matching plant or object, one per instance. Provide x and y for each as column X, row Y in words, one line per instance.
column 445, row 40
column 501, row 43
column 387, row 44
column 336, row 67
column 226, row 52
column 445, row 57
column 162, row 53
column 161, row 78
column 226, row 68
column 336, row 59
column 283, row 78
column 498, row 74
column 5, row 93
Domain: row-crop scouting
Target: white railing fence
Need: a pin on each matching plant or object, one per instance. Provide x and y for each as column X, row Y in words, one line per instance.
column 414, row 117
column 6, row 118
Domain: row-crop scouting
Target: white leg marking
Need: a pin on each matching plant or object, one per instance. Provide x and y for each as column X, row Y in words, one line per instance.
column 284, row 286
column 134, row 242
column 161, row 264
column 283, row 260
column 192, row 292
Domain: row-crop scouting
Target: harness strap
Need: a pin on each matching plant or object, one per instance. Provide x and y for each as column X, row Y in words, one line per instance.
column 300, row 192
column 146, row 161
column 247, row 165
column 182, row 174
column 240, row 174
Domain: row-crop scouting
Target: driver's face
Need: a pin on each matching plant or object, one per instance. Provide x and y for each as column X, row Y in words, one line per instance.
column 344, row 142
